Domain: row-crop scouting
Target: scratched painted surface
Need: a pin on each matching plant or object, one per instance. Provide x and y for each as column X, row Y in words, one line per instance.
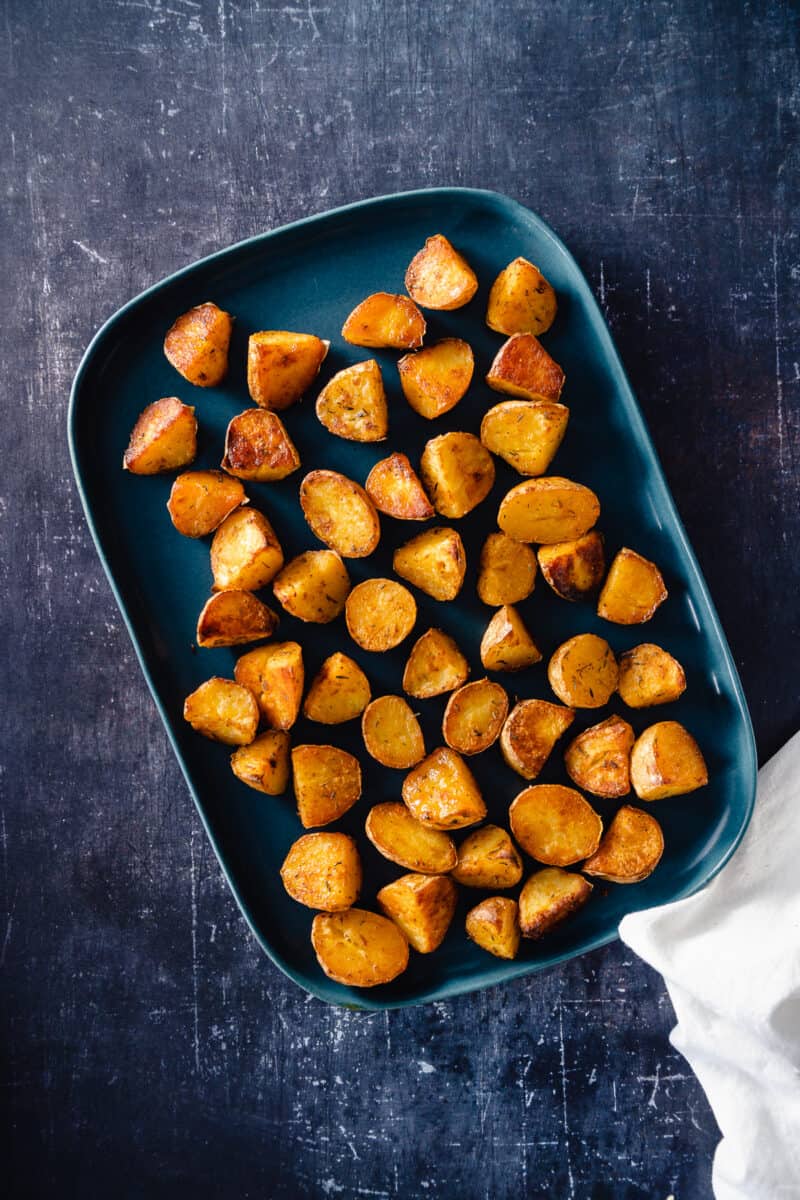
column 150, row 1049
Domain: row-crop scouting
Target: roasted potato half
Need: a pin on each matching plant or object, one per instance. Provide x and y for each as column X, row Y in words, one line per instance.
column 488, row 858
column 494, row 926
column 525, row 433
column 523, row 368
column 201, row 500
column 442, row 793
column 583, row 672
column 327, row 782
column 506, row 644
column 380, row 614
column 197, row 344
column 234, row 617
column 257, row 447
column 223, row 711
column 340, row 513
column 394, row 488
column 439, row 277
column 555, row 825
column 666, row 761
column 352, row 405
column 275, row 675
column 507, row 572
column 599, row 759
column 313, row 587
column 436, row 378
column 422, row 907
column 474, row 716
column 385, row 320
column 163, row 439
column 245, row 553
column 406, row 841
column 392, row 733
column 521, row 300
column 649, row 675
column 548, row 509
column 323, row 870
column 264, row 764
column 549, row 897
column 574, row 569
column 531, row 731
column 339, row 692
column 359, row 948
column 435, row 665
column 434, row 561
column 633, row 590
column 630, row 850
column 281, row 366
column 458, row 473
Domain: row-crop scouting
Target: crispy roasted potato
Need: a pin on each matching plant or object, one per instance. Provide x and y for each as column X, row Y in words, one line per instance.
column 359, row 948
column 523, row 368
column 488, row 858
column 506, row 644
column 197, row 344
column 258, row 447
column 548, row 509
column 392, row 733
column 494, row 926
column 548, row 897
column 474, row 716
column 233, row 617
column 599, row 759
column 385, row 320
column 282, row 365
column 163, row 439
column 201, row 500
column 394, row 488
column 554, row 824
column 649, row 675
column 507, row 572
column 264, row 764
column 245, row 552
column 422, row 906
column 275, row 675
column 666, row 761
column 630, row 850
column 442, row 793
column 323, row 870
column 583, row 672
column 434, row 561
column 435, row 665
column 352, row 405
column 406, row 841
column 632, row 591
column 313, row 587
column 223, row 711
column 574, row 569
column 327, row 782
column 436, row 378
column 439, row 277
column 380, row 614
column 458, row 473
column 521, row 300
column 339, row 692
column 531, row 731
column 340, row 513
column 525, row 433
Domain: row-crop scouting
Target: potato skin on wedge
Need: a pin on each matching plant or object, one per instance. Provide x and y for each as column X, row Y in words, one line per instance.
column 394, row 488
column 507, row 572
column 548, row 898
column 339, row 692
column 380, row 613
column 352, row 405
column 234, row 617
column 164, row 438
column 257, row 447
column 583, row 672
column 275, row 675
column 525, row 433
column 197, row 344
column 488, row 858
column 555, row 824
column 523, row 368
column 323, row 870
column 438, row 277
column 392, row 734
column 531, row 731
column 201, row 500
column 435, row 665
column 264, row 764
column 340, row 513
column 223, row 711
column 441, row 792
column 436, row 378
column 548, row 509
column 458, row 473
column 649, row 675
column 506, row 644
column 281, row 366
column 404, row 840
column 313, row 586
column 630, row 850
column 245, row 553
column 327, row 782
column 494, row 926
column 599, row 759
column 521, row 300
column 422, row 906
column 574, row 569
column 633, row 590
column 385, row 320
column 666, row 761
column 474, row 716
column 434, row 561
column 359, row 948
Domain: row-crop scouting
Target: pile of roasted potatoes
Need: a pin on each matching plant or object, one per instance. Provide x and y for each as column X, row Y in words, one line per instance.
column 546, row 525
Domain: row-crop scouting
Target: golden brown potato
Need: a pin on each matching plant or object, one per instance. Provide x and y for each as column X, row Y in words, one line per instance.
column 359, row 948
column 474, row 716
column 385, row 320
column 583, row 672
column 525, row 433
column 649, row 675
column 633, row 590
column 380, row 614
column 352, row 405
column 313, row 587
column 234, row 617
column 630, row 850
column 574, row 569
column 436, row 378
column 392, row 733
column 327, row 782
column 434, row 561
column 554, row 824
column 245, row 552
column 282, row 365
column 264, row 764
column 406, row 841
column 340, row 513
column 507, row 572
column 201, row 500
column 163, row 439
column 439, row 277
column 548, row 897
column 323, row 870
column 442, row 793
column 548, row 509
column 494, row 926
column 197, row 344
column 223, row 711
column 506, row 644
column 340, row 691
column 422, row 906
column 458, row 473
column 521, row 300
column 275, row 675
column 666, row 761
column 523, row 368
column 531, row 731
column 488, row 858
column 394, row 488
column 258, row 447
column 435, row 665
column 599, row 759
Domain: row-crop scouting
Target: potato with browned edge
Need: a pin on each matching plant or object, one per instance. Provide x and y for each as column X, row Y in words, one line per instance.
column 201, row 500
column 531, row 731
column 197, row 344
column 406, row 841
column 633, row 590
column 506, row 644
column 234, row 617
column 574, row 569
column 523, row 368
column 434, row 561
column 313, row 586
column 521, row 300
column 525, row 433
column 275, row 675
column 474, row 716
column 257, row 447
column 599, row 759
column 666, row 761
column 435, row 665
column 359, row 948
column 352, row 405
column 583, row 671
column 394, row 488
column 264, row 764
column 281, row 366
column 649, row 675
column 548, row 509
column 392, row 733
column 223, row 711
column 435, row 378
column 549, row 897
column 422, row 906
column 439, row 277
column 327, row 782
column 380, row 614
column 458, row 473
column 323, row 870
column 245, row 553
column 441, row 792
column 488, row 858
column 339, row 692
column 494, row 926
column 555, row 824
column 385, row 320
column 340, row 513
column 631, row 848
column 507, row 570
column 163, row 438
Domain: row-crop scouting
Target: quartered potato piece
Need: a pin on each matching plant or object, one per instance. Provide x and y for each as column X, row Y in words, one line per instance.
column 245, row 553
column 197, row 344
column 234, row 617
column 352, row 405
column 340, row 513
column 434, row 561
column 257, row 447
column 599, row 759
column 201, row 500
column 422, row 907
column 379, row 614
column 439, row 277
column 340, row 691
column 494, row 926
column 523, row 368
column 531, row 731
column 521, row 300
column 435, row 665
column 323, row 870
column 282, row 365
column 442, row 793
column 632, row 591
column 359, row 948
column 275, row 676
column 406, row 841
column 223, row 711
column 392, row 733
column 630, row 850
column 264, row 764
column 548, row 897
column 385, row 320
column 327, row 782
column 436, row 378
column 394, row 488
column 649, row 675
column 583, row 672
column 548, row 509
column 554, row 824
column 488, row 859
column 313, row 586
column 507, row 572
column 506, row 645
column 458, row 473
column 666, row 761
column 525, row 433
column 574, row 569
column 474, row 716
column 163, row 439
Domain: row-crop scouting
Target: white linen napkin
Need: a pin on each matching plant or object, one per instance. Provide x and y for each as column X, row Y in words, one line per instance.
column 730, row 956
